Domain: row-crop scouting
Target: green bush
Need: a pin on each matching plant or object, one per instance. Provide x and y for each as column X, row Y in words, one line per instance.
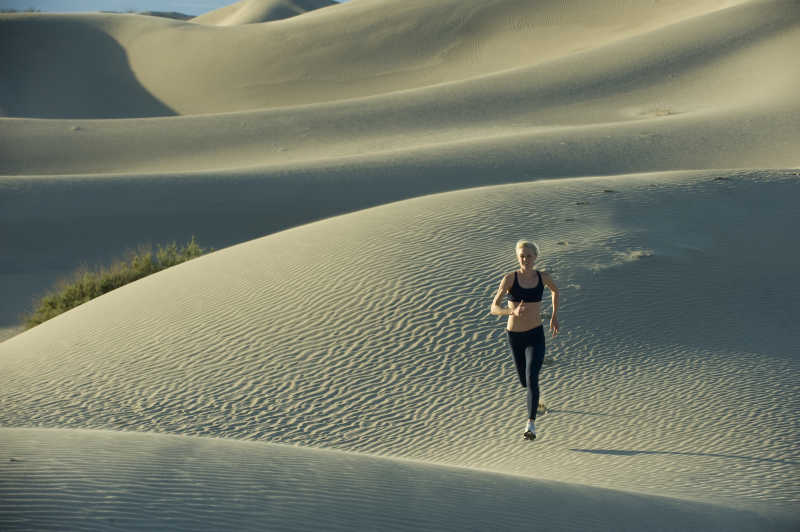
column 85, row 285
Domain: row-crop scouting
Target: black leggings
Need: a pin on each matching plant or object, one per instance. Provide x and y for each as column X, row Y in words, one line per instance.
column 528, row 350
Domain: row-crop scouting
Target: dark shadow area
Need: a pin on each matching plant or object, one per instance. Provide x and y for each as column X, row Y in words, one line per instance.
column 59, row 67
column 620, row 452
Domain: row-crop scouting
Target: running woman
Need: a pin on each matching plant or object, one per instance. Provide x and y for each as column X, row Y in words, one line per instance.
column 524, row 288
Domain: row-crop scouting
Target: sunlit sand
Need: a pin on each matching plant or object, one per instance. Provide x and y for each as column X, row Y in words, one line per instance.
column 364, row 170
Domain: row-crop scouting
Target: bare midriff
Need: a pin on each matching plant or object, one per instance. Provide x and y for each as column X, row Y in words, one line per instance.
column 531, row 319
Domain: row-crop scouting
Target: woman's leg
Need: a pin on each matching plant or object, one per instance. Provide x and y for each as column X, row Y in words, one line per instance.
column 534, row 357
column 516, row 341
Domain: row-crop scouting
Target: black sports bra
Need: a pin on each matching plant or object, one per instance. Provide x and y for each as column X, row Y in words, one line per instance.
column 517, row 293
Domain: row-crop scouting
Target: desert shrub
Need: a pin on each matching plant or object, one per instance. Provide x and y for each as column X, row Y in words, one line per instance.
column 85, row 285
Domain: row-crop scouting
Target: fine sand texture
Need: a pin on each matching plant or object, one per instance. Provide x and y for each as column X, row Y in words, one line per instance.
column 369, row 332
column 125, row 481
column 364, row 170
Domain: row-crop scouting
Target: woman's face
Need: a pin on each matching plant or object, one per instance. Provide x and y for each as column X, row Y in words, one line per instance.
column 526, row 258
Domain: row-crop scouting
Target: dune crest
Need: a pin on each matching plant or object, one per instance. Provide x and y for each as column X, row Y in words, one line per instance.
column 257, row 11
column 386, row 47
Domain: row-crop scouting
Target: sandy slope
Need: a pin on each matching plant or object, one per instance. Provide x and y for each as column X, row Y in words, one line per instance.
column 664, row 87
column 675, row 375
column 658, row 85
column 355, row 49
column 340, row 332
column 208, row 484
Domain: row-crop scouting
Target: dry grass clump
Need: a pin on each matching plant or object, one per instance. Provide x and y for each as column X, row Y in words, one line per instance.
column 85, row 285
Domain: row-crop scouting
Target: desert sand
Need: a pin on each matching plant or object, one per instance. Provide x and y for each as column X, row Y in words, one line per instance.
column 258, row 11
column 364, row 170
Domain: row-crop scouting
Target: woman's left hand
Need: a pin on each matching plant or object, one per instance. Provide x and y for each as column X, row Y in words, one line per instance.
column 554, row 325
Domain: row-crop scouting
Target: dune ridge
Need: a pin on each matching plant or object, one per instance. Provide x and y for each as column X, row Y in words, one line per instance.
column 258, row 11
column 590, row 94
column 293, row 63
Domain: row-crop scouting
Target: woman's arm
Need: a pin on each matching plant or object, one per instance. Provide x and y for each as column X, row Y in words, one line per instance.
column 497, row 309
column 548, row 281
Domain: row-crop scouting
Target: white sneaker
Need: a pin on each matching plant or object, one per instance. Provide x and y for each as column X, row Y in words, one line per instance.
column 530, row 431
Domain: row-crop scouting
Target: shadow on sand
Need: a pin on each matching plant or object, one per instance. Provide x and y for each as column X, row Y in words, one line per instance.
column 621, row 452
column 62, row 67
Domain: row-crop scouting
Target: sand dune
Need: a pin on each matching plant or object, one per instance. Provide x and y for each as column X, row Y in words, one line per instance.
column 371, row 164
column 257, row 11
column 654, row 96
column 211, row 484
column 334, row 333
column 200, row 69
column 672, row 88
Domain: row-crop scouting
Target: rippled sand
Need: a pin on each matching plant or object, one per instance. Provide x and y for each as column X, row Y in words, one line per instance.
column 345, row 332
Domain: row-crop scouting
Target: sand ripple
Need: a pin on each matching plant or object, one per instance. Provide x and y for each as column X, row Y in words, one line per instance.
column 91, row 480
column 370, row 332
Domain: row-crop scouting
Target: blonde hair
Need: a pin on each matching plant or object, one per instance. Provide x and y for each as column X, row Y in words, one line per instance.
column 527, row 244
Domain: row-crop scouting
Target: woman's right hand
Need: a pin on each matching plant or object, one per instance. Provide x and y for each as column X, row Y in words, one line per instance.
column 518, row 310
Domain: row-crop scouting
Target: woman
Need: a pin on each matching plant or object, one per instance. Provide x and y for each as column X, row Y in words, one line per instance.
column 524, row 288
